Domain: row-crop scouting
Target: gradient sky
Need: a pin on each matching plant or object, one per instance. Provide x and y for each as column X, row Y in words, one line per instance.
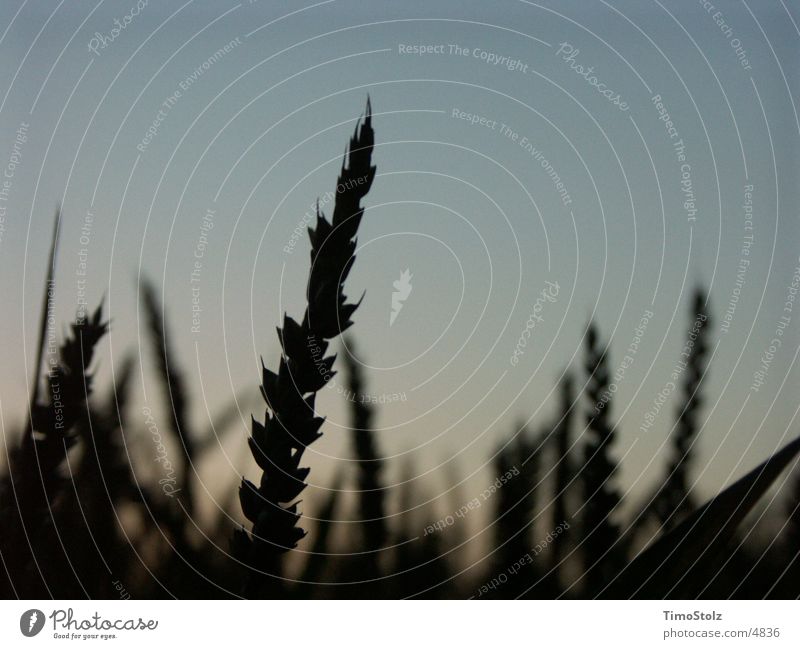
column 259, row 135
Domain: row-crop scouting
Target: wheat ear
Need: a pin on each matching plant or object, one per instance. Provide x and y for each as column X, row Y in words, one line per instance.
column 291, row 423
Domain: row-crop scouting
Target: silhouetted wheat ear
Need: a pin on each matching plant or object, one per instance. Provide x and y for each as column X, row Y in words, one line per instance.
column 600, row 534
column 370, row 466
column 291, row 423
column 35, row 479
column 70, row 385
column 674, row 499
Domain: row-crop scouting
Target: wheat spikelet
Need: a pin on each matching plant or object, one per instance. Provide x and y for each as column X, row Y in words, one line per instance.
column 291, row 423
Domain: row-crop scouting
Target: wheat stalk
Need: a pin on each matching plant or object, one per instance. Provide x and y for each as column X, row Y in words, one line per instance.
column 318, row 560
column 671, row 500
column 601, row 535
column 34, row 480
column 175, row 392
column 290, row 422
column 517, row 465
column 564, row 464
column 675, row 499
column 370, row 466
column 70, row 386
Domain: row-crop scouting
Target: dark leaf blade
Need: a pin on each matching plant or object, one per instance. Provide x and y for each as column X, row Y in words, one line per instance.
column 676, row 565
column 47, row 308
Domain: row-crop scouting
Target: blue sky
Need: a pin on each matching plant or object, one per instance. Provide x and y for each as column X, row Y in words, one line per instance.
column 256, row 134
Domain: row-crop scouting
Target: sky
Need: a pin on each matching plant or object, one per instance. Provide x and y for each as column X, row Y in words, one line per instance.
column 615, row 155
